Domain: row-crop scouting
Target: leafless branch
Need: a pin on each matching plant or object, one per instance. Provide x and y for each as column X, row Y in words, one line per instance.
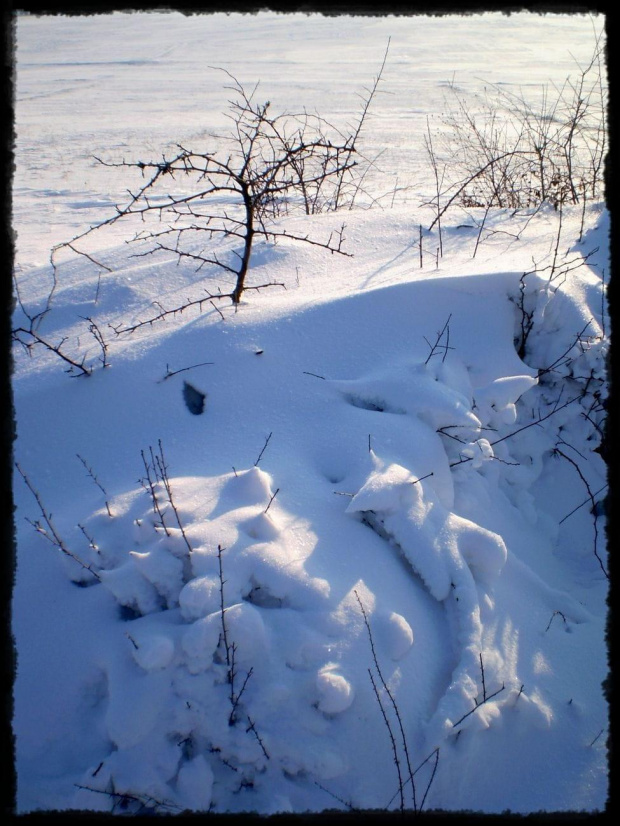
column 394, row 706
column 585, row 502
column 162, row 470
column 271, row 500
column 556, row 408
column 170, row 373
column 262, row 168
column 48, row 530
column 260, row 455
column 437, row 346
column 571, row 461
column 92, row 475
column 485, row 697
column 27, row 337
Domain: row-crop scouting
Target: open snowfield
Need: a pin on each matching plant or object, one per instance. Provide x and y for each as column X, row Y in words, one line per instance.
column 341, row 546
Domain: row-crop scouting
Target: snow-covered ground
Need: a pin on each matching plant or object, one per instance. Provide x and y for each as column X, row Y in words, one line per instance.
column 378, row 556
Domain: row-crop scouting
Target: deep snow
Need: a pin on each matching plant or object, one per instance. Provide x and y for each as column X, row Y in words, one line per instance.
column 343, row 492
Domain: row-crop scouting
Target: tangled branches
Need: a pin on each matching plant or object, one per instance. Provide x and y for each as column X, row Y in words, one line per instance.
column 268, row 166
column 504, row 150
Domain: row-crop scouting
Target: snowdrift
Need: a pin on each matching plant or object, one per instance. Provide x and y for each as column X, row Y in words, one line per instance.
column 352, row 477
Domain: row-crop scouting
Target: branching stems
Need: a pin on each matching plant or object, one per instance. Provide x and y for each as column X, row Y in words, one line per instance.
column 437, row 346
column 571, row 461
column 485, row 697
column 146, row 802
column 556, row 408
column 396, row 712
column 162, row 470
column 149, row 484
column 47, row 529
column 91, row 473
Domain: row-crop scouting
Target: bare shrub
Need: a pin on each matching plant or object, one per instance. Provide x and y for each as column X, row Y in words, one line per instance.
column 267, row 167
column 502, row 149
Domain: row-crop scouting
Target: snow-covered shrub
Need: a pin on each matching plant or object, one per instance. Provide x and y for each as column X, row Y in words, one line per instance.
column 195, row 690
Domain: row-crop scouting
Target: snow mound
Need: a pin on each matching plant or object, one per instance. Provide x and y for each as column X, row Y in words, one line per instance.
column 394, row 633
column 163, row 570
column 496, row 402
column 246, row 627
column 195, row 784
column 199, row 597
column 153, row 652
column 250, row 487
column 436, row 542
column 335, row 691
column 200, row 641
column 412, row 388
column 131, row 588
column 455, row 558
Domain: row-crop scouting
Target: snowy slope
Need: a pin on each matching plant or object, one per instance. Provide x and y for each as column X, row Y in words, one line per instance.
column 368, row 521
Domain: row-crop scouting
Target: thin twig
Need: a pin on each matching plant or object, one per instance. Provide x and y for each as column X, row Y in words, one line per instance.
column 90, row 540
column 237, row 697
column 98, row 336
column 422, row 764
column 145, row 802
column 392, row 740
column 49, row 532
column 480, row 230
column 485, row 698
column 553, row 616
column 436, row 345
column 540, row 419
column 149, row 486
column 420, row 242
column 422, row 478
column 263, row 450
column 335, row 796
column 585, row 502
column 592, row 500
column 252, row 728
column 577, row 339
column 432, row 777
column 220, row 550
column 390, row 695
column 36, row 338
column 91, row 473
column 170, row 372
column 271, row 500
column 163, row 471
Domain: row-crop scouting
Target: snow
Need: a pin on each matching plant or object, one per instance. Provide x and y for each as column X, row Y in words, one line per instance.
column 335, row 692
column 361, row 473
column 195, row 783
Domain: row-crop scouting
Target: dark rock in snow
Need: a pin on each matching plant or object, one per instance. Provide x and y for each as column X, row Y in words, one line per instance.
column 194, row 399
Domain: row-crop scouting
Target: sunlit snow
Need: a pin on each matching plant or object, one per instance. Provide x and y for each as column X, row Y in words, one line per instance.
column 341, row 546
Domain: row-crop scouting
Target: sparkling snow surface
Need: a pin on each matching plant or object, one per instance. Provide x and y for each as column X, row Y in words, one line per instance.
column 346, row 504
